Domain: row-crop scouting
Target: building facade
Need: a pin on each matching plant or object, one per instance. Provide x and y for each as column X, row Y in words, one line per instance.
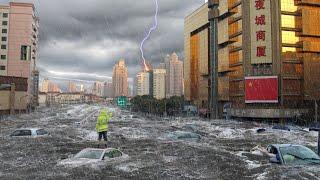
column 159, row 83
column 174, row 75
column 268, row 56
column 72, row 87
column 120, row 79
column 13, row 98
column 98, row 88
column 19, row 44
column 196, row 49
column 143, row 79
column 108, row 90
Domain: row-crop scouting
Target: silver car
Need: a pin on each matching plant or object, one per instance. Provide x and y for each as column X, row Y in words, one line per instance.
column 292, row 154
column 29, row 132
column 93, row 156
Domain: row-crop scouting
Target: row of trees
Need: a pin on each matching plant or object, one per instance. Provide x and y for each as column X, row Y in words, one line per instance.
column 148, row 104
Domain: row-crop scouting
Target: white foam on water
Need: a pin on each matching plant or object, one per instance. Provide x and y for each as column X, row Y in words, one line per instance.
column 252, row 164
column 129, row 167
column 134, row 133
column 169, row 159
column 262, row 176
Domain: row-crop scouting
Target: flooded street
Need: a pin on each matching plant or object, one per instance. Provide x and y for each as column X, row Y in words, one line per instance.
column 222, row 151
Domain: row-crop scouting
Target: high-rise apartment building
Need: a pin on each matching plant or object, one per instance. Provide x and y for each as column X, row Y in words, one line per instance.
column 143, row 79
column 98, row 88
column 45, row 85
column 19, row 43
column 174, row 75
column 49, row 86
column 159, row 83
column 120, row 79
column 268, row 56
column 72, row 87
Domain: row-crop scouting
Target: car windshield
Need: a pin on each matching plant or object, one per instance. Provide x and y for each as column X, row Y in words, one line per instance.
column 298, row 155
column 89, row 154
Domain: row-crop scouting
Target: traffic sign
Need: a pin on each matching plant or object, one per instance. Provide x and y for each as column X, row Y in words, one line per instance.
column 122, row 101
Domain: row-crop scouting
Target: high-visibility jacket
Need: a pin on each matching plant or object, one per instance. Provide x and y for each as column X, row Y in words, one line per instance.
column 102, row 121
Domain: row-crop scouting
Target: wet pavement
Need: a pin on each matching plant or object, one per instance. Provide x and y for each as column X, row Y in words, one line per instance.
column 222, row 152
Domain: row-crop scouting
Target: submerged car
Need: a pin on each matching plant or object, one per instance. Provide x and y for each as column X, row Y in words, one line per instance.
column 92, row 156
column 291, row 154
column 181, row 135
column 29, row 132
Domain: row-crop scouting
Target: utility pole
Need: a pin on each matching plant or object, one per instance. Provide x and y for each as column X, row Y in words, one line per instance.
column 213, row 19
column 318, row 126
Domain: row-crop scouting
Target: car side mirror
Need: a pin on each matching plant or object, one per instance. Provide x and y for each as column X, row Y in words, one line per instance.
column 274, row 160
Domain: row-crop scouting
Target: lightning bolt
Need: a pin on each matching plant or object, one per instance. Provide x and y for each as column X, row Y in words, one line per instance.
column 154, row 27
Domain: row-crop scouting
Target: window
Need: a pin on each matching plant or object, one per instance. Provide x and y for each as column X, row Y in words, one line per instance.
column 289, row 37
column 5, row 15
column 3, row 46
column 2, row 68
column 288, row 21
column 21, row 133
column 288, row 5
column 4, row 23
column 3, row 38
column 25, row 53
column 3, row 57
column 5, row 31
column 113, row 154
column 41, row 132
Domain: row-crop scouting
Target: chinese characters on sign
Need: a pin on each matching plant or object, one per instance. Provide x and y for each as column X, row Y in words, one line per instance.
column 260, row 32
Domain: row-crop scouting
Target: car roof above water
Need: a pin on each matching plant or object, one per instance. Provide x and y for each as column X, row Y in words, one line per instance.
column 285, row 145
column 32, row 129
column 106, row 149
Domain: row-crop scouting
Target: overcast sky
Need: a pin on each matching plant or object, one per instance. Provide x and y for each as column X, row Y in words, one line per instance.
column 83, row 39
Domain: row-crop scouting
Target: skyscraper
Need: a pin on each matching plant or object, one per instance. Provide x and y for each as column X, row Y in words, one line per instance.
column 72, row 87
column 45, row 85
column 19, row 43
column 159, row 83
column 120, row 79
column 98, row 88
column 143, row 83
column 174, row 75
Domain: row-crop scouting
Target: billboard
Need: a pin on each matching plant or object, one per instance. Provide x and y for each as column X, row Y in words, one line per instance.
column 260, row 20
column 261, row 89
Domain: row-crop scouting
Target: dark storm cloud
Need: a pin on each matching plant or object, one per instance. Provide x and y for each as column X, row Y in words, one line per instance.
column 89, row 36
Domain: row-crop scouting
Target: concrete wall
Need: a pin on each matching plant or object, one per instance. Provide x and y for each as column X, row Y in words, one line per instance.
column 20, row 100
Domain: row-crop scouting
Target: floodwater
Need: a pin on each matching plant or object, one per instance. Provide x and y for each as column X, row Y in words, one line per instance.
column 222, row 152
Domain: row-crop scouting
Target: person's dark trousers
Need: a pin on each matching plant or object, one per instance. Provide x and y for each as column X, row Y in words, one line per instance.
column 104, row 135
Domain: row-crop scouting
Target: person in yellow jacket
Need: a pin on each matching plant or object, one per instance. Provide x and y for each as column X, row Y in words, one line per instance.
column 102, row 124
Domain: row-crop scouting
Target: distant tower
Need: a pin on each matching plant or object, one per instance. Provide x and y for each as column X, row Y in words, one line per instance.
column 120, row 79
column 174, row 75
